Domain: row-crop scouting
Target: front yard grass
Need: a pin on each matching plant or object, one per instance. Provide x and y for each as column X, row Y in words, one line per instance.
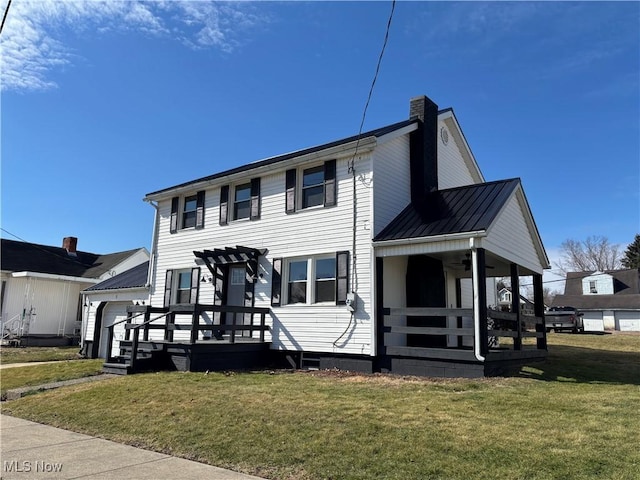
column 37, row 354
column 17, row 377
column 554, row 420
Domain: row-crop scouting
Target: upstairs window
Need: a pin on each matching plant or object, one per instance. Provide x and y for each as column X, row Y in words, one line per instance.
column 592, row 286
column 311, row 187
column 242, row 202
column 189, row 211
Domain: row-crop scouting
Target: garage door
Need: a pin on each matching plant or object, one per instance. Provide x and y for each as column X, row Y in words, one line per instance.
column 593, row 322
column 113, row 313
column 628, row 321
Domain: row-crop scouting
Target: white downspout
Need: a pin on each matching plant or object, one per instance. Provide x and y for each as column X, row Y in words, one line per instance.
column 154, row 247
column 476, row 300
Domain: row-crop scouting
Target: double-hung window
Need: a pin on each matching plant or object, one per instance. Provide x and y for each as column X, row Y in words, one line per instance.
column 311, row 187
column 319, row 279
column 181, row 286
column 187, row 212
column 242, row 202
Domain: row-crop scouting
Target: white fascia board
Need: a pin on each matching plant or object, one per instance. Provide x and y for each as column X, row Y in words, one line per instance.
column 397, row 133
column 50, row 276
column 435, row 238
column 452, row 122
column 365, row 145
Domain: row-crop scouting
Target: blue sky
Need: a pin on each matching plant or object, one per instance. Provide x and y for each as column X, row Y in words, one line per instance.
column 103, row 102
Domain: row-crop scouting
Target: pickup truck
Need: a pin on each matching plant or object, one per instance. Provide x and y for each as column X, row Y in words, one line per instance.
column 564, row 318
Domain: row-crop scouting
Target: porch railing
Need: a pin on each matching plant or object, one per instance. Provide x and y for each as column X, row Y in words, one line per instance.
column 513, row 326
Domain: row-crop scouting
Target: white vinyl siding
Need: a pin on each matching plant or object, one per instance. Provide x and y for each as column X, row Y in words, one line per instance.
column 392, row 179
column 294, row 327
column 453, row 171
column 511, row 238
column 50, row 306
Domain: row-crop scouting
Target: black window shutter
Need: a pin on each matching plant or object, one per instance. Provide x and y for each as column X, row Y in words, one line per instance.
column 342, row 277
column 167, row 287
column 195, row 285
column 329, row 183
column 291, row 190
column 276, row 282
column 173, row 226
column 200, row 209
column 255, row 199
column 224, row 204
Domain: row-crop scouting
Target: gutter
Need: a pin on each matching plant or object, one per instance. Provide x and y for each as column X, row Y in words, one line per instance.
column 476, row 300
column 154, row 246
column 430, row 239
column 366, row 145
column 51, row 276
column 117, row 290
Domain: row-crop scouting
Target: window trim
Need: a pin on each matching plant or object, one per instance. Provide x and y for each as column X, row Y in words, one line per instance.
column 236, row 189
column 311, row 291
column 188, row 213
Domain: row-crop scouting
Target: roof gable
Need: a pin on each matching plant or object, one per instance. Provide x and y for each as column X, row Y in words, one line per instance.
column 132, row 278
column 31, row 257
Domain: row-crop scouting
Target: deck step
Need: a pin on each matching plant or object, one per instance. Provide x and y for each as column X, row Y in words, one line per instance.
column 117, row 368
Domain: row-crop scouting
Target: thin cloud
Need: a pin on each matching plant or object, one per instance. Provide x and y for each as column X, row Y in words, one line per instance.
column 33, row 48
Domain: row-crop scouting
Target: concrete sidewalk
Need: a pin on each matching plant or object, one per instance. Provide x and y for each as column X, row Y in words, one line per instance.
column 35, row 451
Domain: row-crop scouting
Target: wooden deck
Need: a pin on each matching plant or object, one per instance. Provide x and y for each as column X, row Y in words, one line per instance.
column 161, row 349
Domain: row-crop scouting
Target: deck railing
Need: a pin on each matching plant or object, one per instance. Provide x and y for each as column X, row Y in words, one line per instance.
column 513, row 326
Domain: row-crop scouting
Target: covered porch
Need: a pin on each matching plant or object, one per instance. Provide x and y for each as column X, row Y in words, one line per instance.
column 437, row 267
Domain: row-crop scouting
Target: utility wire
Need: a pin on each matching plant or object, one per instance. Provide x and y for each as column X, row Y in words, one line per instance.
column 352, row 170
column 38, row 247
column 4, row 17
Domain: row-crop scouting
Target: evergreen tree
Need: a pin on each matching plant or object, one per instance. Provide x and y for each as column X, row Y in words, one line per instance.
column 631, row 257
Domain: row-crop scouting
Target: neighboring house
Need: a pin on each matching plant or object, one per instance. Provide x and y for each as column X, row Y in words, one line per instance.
column 105, row 304
column 609, row 300
column 41, row 288
column 505, row 301
column 370, row 253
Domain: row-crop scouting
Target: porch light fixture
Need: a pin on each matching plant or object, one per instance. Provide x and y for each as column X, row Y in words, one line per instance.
column 206, row 279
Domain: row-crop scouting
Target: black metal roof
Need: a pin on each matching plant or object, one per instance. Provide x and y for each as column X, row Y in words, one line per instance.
column 134, row 277
column 455, row 210
column 31, row 257
column 287, row 156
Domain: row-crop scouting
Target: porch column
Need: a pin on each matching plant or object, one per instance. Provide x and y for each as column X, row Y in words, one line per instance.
column 538, row 308
column 379, row 316
column 480, row 297
column 515, row 304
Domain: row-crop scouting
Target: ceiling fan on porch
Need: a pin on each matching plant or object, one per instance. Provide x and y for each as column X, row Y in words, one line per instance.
column 466, row 262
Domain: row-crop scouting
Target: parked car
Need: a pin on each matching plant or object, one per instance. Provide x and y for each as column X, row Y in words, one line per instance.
column 564, row 318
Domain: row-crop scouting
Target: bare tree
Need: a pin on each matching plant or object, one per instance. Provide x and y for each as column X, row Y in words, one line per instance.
column 594, row 253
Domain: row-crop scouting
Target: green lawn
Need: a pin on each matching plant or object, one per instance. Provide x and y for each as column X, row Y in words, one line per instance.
column 17, row 377
column 37, row 354
column 576, row 416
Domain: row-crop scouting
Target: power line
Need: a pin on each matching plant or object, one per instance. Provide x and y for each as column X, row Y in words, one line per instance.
column 4, row 17
column 37, row 247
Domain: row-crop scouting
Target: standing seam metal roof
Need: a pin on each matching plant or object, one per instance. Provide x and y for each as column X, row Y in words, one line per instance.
column 456, row 210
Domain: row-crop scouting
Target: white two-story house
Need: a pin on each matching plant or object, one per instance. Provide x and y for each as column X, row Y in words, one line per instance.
column 369, row 253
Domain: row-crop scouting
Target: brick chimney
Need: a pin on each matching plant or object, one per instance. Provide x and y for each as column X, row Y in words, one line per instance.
column 424, row 147
column 70, row 244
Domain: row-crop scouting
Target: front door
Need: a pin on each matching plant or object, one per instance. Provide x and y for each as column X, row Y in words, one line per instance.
column 235, row 295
